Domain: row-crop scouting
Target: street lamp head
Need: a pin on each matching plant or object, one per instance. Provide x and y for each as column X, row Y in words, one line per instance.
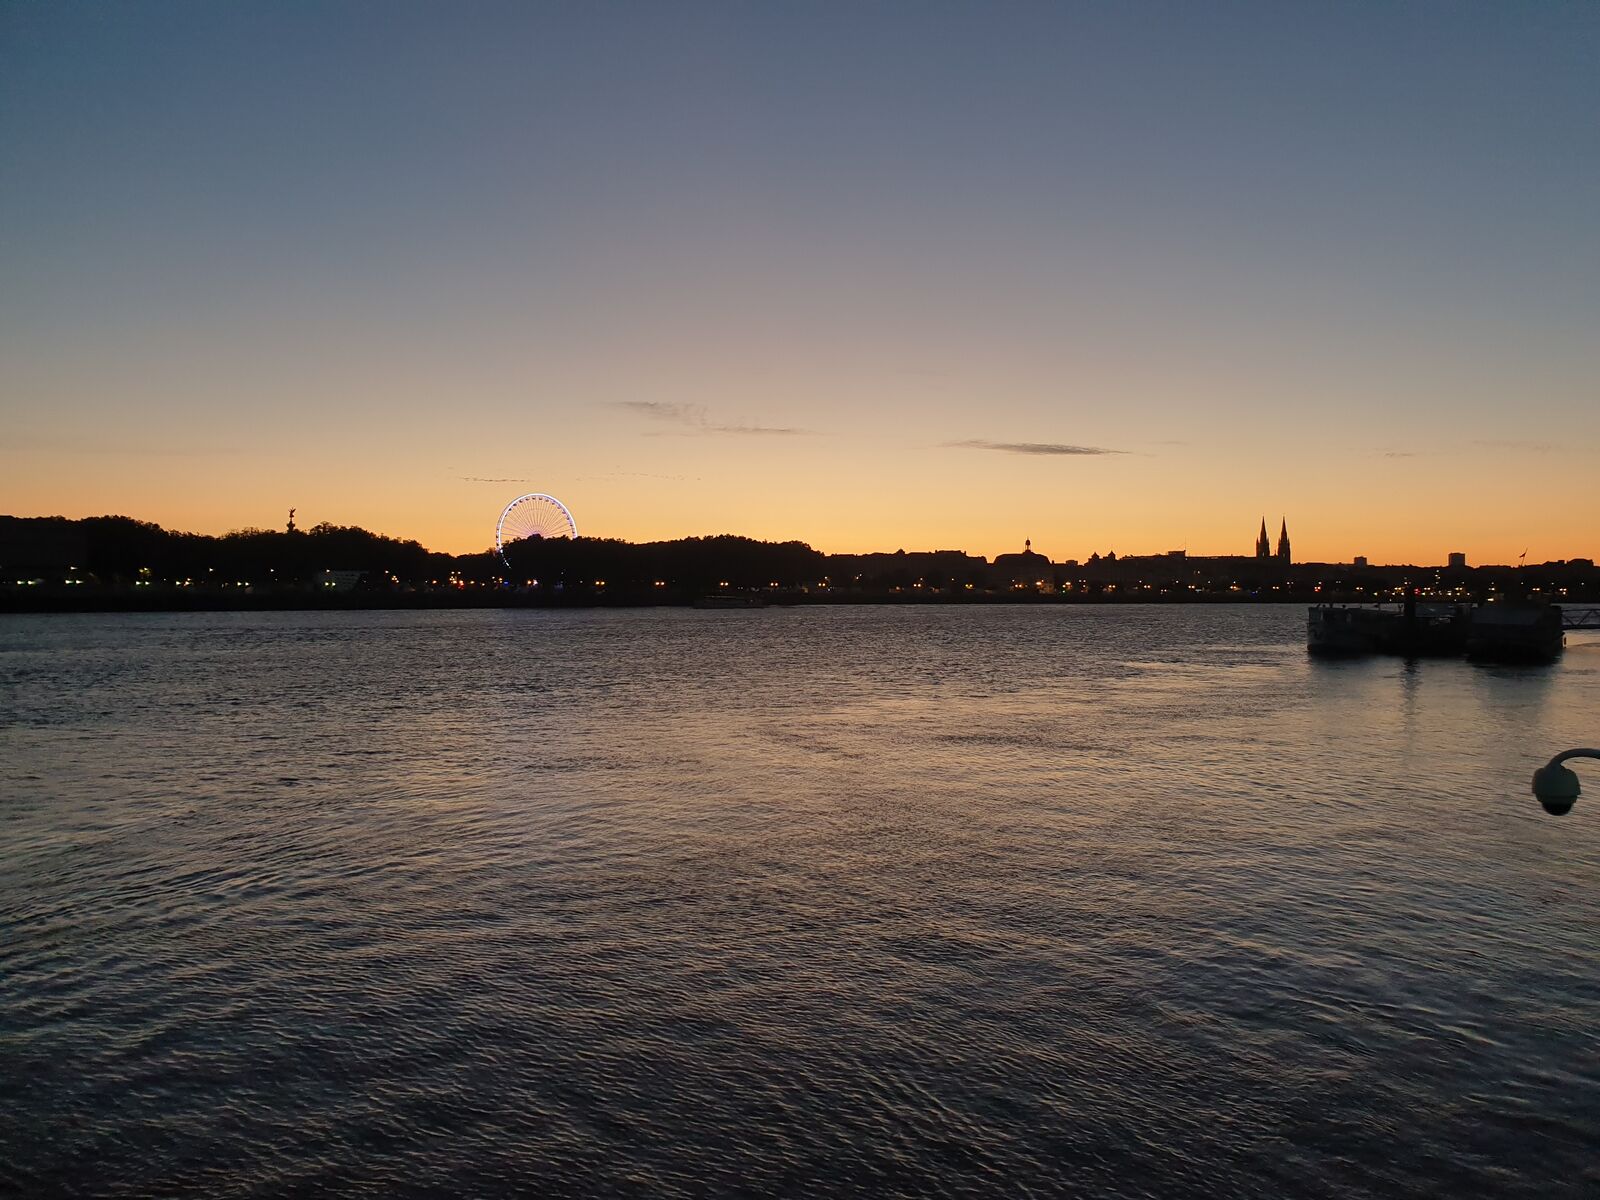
column 1556, row 786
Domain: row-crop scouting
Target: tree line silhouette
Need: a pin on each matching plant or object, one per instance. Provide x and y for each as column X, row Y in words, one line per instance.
column 116, row 549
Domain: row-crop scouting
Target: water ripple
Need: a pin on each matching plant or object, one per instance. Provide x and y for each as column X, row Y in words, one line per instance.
column 900, row 902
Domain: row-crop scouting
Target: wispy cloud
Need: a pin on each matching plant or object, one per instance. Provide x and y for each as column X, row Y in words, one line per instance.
column 487, row 479
column 657, row 411
column 1048, row 448
column 760, row 430
column 1400, row 454
column 695, row 419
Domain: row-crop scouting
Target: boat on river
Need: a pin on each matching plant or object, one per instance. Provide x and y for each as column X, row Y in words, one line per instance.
column 1417, row 629
column 1515, row 631
column 1345, row 630
column 1498, row 630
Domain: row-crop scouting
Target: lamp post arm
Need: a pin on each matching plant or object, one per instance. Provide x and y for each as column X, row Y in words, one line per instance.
column 1566, row 754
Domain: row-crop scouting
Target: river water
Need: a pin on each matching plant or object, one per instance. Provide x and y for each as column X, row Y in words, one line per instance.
column 931, row 901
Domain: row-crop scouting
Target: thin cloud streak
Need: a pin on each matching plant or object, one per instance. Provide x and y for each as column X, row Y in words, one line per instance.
column 1041, row 448
column 760, row 430
column 691, row 419
column 658, row 411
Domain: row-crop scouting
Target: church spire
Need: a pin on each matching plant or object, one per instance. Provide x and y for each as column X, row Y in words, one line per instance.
column 1263, row 543
column 1283, row 541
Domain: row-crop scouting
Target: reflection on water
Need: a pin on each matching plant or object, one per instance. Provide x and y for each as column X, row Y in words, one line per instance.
column 934, row 901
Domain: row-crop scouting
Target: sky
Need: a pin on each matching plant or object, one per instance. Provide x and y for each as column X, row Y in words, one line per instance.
column 1112, row 277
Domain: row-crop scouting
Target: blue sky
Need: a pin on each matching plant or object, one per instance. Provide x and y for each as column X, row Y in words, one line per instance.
column 809, row 270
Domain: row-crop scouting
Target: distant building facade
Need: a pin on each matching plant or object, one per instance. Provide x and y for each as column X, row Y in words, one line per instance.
column 1022, row 569
column 339, row 581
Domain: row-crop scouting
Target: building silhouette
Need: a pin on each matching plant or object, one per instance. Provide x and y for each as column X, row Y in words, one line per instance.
column 1027, row 567
column 1264, row 551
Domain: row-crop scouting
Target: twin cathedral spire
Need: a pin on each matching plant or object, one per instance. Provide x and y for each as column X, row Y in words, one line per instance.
column 1264, row 544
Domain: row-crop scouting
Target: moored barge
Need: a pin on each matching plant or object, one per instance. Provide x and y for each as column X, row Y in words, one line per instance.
column 1496, row 631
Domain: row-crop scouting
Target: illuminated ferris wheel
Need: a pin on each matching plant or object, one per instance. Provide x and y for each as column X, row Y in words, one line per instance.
column 533, row 515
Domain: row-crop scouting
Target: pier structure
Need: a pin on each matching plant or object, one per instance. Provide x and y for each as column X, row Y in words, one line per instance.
column 1580, row 618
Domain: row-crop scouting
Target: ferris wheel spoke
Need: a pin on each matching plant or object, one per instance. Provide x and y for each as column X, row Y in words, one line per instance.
column 533, row 515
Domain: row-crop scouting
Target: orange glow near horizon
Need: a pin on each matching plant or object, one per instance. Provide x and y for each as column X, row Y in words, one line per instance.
column 1122, row 290
column 921, row 497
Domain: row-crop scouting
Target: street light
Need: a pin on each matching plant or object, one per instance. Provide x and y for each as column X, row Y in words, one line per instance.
column 1556, row 786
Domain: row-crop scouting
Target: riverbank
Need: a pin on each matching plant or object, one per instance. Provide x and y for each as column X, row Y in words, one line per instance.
column 429, row 601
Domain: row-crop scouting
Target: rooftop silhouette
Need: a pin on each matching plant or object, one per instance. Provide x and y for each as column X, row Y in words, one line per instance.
column 48, row 560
